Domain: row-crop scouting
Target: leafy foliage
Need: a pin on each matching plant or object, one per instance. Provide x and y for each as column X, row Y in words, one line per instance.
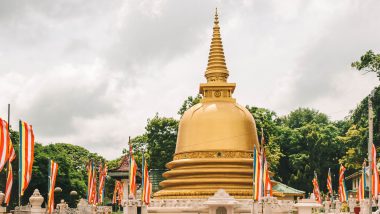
column 189, row 102
column 159, row 141
column 369, row 62
column 72, row 173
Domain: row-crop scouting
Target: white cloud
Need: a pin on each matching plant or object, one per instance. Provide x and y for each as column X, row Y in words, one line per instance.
column 92, row 73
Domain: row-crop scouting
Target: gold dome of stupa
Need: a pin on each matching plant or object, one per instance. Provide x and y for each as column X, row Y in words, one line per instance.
column 215, row 139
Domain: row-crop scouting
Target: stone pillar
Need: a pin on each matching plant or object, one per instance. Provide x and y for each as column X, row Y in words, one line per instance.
column 351, row 204
column 255, row 207
column 131, row 208
column 364, row 206
column 306, row 206
column 327, row 205
column 36, row 201
column 2, row 197
column 144, row 209
column 268, row 204
column 82, row 205
column 338, row 204
column 125, row 189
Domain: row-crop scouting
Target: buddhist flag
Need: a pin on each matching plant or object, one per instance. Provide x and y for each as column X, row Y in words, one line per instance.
column 342, row 191
column 362, row 183
column 9, row 184
column 26, row 155
column 8, row 187
column 52, row 178
column 115, row 192
column 4, row 143
column 12, row 153
column 121, row 191
column 329, row 183
column 102, row 181
column 257, row 175
column 132, row 173
column 375, row 174
column 147, row 191
column 91, row 185
column 92, row 198
column 266, row 178
column 316, row 191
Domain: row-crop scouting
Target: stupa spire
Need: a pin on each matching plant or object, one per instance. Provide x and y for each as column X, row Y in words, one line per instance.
column 216, row 67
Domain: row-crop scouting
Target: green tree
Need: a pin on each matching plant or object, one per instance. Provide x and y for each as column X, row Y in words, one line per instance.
column 308, row 141
column 188, row 103
column 369, row 62
column 72, row 174
column 266, row 120
column 159, row 141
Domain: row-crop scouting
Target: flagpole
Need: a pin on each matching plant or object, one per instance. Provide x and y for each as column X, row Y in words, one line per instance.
column 370, row 142
column 9, row 116
column 49, row 181
column 143, row 177
column 19, row 166
column 130, row 167
column 253, row 181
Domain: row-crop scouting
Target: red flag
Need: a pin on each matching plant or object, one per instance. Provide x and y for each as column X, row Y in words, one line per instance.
column 4, row 143
column 375, row 174
column 8, row 188
column 52, row 179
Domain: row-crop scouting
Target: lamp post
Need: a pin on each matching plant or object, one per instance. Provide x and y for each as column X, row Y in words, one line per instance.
column 58, row 191
column 73, row 195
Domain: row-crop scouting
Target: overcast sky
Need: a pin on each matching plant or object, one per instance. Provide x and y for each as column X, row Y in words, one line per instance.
column 92, row 72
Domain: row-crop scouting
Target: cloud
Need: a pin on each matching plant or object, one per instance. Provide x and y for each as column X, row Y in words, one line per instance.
column 92, row 72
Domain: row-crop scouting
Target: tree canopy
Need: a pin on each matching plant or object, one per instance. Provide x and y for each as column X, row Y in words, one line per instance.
column 369, row 62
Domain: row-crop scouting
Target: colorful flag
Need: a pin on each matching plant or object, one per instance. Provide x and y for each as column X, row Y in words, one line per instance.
column 147, row 191
column 316, row 191
column 342, row 191
column 102, row 181
column 12, row 153
column 257, row 175
column 93, row 198
column 121, row 192
column 26, row 155
column 115, row 192
column 91, row 182
column 9, row 184
column 132, row 173
column 267, row 184
column 329, row 183
column 8, row 187
column 362, row 183
column 4, row 143
column 375, row 174
column 52, row 178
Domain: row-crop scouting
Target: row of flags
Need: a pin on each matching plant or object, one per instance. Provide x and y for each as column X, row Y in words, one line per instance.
column 261, row 177
column 118, row 192
column 146, row 185
column 7, row 155
column 26, row 156
column 375, row 178
column 342, row 190
column 26, row 159
column 96, row 195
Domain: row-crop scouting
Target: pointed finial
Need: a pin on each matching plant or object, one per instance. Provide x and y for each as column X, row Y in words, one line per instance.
column 216, row 21
column 216, row 68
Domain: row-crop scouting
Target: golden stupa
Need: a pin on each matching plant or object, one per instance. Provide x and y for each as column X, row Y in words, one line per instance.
column 215, row 139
